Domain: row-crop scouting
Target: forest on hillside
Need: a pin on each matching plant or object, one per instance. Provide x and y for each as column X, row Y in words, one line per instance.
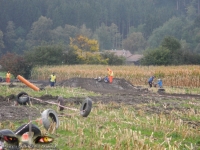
column 133, row 25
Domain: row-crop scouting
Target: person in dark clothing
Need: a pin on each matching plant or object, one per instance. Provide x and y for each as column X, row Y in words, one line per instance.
column 150, row 81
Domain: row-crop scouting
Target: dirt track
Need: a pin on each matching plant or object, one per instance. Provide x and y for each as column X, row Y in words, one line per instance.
column 120, row 91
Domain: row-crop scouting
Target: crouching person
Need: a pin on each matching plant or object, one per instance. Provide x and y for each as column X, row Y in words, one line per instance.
column 160, row 84
column 106, row 79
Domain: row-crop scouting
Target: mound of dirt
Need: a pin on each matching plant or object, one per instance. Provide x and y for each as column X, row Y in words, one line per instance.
column 90, row 84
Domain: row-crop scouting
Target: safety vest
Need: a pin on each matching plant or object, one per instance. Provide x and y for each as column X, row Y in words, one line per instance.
column 110, row 72
column 8, row 75
column 53, row 78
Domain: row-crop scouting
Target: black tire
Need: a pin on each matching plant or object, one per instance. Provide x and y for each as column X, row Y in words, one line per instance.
column 161, row 90
column 23, row 98
column 86, row 107
column 49, row 116
column 1, row 79
column 14, row 142
column 42, row 89
column 34, row 129
column 6, row 132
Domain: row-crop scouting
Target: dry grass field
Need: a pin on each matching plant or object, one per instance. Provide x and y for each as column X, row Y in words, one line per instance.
column 172, row 76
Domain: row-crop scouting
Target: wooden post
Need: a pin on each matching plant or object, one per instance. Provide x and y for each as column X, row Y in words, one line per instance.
column 30, row 132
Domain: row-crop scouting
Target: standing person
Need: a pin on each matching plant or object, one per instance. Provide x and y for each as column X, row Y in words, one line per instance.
column 52, row 79
column 110, row 75
column 150, row 81
column 8, row 77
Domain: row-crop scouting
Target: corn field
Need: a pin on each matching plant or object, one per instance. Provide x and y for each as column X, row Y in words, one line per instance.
column 172, row 76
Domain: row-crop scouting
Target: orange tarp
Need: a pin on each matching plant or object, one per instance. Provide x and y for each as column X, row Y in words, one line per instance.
column 23, row 80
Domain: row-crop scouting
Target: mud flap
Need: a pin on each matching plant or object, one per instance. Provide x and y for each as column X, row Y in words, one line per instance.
column 86, row 107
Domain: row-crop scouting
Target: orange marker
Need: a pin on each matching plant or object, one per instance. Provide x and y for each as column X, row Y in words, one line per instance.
column 25, row 137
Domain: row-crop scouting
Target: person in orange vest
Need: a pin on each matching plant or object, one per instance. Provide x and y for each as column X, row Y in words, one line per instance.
column 8, row 77
column 110, row 75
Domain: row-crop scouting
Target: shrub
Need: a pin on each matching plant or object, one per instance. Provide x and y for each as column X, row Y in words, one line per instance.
column 16, row 64
column 45, row 55
column 113, row 59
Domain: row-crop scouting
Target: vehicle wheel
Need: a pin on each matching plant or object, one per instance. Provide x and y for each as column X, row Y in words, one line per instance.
column 22, row 129
column 86, row 107
column 23, row 98
column 49, row 116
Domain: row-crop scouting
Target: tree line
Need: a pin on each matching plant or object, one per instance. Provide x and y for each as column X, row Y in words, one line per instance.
column 108, row 21
column 140, row 26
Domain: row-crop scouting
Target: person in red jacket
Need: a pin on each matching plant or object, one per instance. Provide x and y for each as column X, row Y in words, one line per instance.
column 110, row 75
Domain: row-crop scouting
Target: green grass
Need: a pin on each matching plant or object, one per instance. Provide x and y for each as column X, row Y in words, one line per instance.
column 115, row 126
column 122, row 128
column 56, row 91
column 3, row 75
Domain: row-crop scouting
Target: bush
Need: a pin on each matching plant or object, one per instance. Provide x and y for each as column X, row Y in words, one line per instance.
column 16, row 64
column 113, row 59
column 70, row 57
column 158, row 56
column 45, row 55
